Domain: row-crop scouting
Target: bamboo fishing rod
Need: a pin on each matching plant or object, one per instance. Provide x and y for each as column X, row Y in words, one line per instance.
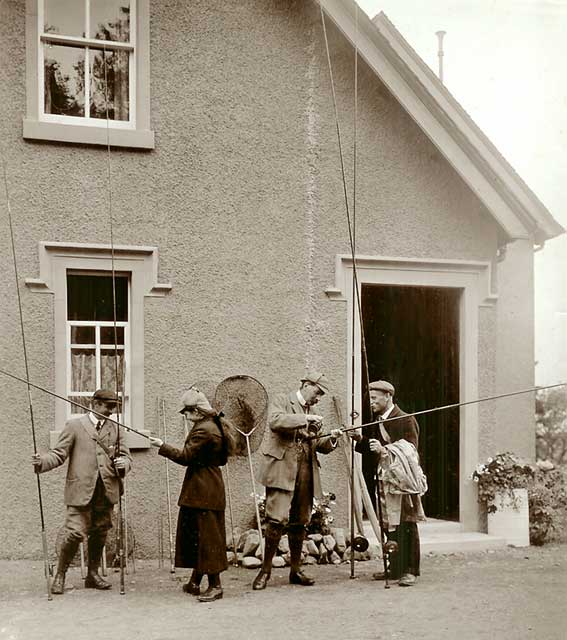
column 72, row 402
column 442, row 408
column 27, row 382
column 168, row 490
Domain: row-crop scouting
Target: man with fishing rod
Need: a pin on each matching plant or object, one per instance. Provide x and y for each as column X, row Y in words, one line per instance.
column 393, row 425
column 290, row 472
column 98, row 459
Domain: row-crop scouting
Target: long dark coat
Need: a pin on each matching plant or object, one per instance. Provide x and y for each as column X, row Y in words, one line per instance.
column 201, row 540
column 203, row 455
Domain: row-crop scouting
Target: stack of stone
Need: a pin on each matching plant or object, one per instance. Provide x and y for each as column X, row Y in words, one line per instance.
column 332, row 548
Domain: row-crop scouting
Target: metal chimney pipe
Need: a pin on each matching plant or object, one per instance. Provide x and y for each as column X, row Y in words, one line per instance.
column 440, row 35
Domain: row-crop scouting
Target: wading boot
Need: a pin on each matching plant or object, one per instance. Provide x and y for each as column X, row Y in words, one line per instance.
column 93, row 580
column 296, row 576
column 66, row 555
column 273, row 535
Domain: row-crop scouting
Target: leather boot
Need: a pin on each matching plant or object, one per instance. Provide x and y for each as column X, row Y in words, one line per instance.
column 296, row 575
column 214, row 592
column 273, row 536
column 66, row 555
column 93, row 580
column 193, row 586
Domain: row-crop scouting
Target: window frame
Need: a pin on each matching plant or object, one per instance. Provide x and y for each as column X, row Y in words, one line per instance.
column 140, row 263
column 85, row 130
column 98, row 347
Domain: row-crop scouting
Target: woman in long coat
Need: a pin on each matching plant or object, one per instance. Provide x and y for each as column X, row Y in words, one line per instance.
column 201, row 541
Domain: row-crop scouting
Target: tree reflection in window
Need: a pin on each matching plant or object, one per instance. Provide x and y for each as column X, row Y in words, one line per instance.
column 107, row 71
column 64, row 80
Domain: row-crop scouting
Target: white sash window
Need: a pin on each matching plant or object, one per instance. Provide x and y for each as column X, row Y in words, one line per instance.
column 95, row 359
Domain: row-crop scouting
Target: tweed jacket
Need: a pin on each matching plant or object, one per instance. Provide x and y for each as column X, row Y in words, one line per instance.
column 404, row 482
column 87, row 459
column 203, row 455
column 287, row 423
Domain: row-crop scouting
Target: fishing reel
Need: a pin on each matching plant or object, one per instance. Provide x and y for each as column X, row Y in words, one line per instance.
column 390, row 546
column 360, row 543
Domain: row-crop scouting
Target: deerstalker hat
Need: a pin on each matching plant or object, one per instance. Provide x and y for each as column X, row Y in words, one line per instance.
column 195, row 399
column 318, row 379
column 382, row 385
column 106, row 395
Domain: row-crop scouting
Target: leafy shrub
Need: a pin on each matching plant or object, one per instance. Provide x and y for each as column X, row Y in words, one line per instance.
column 501, row 474
column 547, row 495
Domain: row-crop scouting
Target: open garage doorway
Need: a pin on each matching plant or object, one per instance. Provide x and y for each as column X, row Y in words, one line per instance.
column 412, row 340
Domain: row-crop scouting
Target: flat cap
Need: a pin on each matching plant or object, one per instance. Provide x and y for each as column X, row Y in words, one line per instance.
column 317, row 378
column 106, row 395
column 382, row 385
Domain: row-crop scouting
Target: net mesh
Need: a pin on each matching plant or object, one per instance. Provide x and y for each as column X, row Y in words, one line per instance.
column 244, row 402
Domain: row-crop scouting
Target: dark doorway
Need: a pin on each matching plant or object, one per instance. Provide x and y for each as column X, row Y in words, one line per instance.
column 412, row 340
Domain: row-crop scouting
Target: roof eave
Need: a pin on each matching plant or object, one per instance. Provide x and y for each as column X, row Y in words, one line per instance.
column 509, row 200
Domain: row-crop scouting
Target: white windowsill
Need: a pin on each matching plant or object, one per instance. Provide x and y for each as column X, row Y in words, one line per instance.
column 81, row 134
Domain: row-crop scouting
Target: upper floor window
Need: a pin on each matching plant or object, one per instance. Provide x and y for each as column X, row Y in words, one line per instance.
column 88, row 56
column 87, row 72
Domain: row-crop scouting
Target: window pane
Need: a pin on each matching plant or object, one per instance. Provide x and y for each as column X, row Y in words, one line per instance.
column 82, row 335
column 64, row 86
column 66, row 17
column 108, row 366
column 86, row 402
column 110, row 20
column 83, row 370
column 90, row 298
column 110, row 86
column 107, row 335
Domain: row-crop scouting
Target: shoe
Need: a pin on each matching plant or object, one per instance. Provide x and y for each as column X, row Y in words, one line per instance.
column 381, row 575
column 407, row 580
column 192, row 588
column 211, row 594
column 261, row 580
column 298, row 577
column 94, row 581
column 58, row 584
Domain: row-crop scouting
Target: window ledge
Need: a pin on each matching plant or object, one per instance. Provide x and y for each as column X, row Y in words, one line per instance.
column 81, row 134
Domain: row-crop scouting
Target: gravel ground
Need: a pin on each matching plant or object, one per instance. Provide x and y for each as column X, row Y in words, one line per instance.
column 507, row 594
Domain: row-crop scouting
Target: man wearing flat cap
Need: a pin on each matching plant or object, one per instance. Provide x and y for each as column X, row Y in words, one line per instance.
column 93, row 485
column 371, row 444
column 290, row 472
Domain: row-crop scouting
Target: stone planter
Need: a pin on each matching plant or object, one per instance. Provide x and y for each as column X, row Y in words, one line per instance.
column 511, row 520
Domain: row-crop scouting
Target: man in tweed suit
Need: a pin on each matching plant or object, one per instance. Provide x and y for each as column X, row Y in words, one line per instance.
column 93, row 485
column 290, row 472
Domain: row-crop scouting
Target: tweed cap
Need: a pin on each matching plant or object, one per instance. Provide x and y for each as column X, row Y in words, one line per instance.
column 382, row 385
column 194, row 399
column 318, row 379
column 106, row 395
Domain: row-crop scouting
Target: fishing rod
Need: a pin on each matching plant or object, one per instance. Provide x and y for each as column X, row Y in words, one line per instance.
column 75, row 404
column 46, row 566
column 168, row 490
column 351, row 225
column 443, row 408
